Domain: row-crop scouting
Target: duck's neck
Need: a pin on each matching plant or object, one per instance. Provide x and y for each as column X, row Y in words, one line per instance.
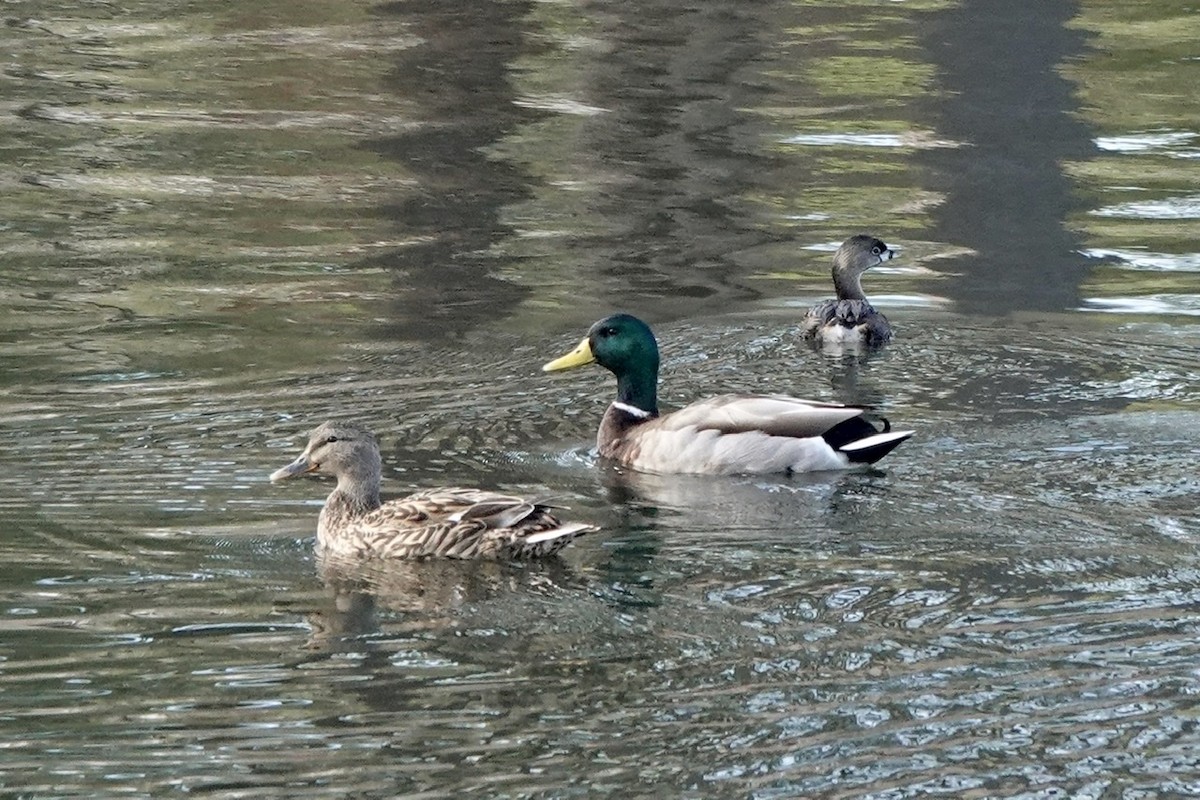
column 361, row 491
column 638, row 389
column 848, row 285
column 355, row 495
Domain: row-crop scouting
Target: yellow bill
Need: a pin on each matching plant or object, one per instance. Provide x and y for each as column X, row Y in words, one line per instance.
column 576, row 358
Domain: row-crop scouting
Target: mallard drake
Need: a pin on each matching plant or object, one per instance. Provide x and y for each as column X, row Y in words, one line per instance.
column 850, row 318
column 727, row 434
column 445, row 522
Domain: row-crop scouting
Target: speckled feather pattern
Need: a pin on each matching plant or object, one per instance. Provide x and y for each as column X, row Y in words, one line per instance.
column 447, row 522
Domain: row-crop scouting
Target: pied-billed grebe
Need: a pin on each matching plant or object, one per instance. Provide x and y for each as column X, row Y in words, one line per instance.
column 850, row 319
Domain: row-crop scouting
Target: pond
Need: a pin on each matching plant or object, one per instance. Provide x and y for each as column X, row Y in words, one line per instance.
column 223, row 224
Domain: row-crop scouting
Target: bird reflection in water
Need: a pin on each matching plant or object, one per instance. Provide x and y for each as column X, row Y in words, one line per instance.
column 397, row 597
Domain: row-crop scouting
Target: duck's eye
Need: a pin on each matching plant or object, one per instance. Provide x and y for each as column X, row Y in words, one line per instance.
column 606, row 332
column 876, row 250
column 330, row 439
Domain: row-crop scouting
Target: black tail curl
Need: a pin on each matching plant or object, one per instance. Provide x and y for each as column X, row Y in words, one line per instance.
column 851, row 430
column 847, row 434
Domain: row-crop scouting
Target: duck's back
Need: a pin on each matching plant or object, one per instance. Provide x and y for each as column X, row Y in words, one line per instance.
column 845, row 321
column 731, row 434
column 450, row 522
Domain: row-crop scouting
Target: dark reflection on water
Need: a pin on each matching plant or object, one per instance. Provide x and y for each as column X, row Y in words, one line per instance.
column 458, row 84
column 675, row 89
column 1006, row 195
column 225, row 226
column 651, row 229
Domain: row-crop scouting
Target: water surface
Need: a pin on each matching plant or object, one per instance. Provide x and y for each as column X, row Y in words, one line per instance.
column 222, row 226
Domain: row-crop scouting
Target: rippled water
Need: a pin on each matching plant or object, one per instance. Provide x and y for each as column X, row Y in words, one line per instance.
column 222, row 225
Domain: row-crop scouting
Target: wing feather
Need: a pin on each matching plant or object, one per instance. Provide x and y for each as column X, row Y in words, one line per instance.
column 454, row 522
column 775, row 415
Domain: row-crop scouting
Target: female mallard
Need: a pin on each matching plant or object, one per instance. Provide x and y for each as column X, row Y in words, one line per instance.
column 722, row 435
column 447, row 522
column 850, row 318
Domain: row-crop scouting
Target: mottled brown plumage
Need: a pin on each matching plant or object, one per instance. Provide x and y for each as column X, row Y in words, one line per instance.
column 447, row 522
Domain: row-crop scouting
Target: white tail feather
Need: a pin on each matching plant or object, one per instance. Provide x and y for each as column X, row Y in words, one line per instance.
column 569, row 529
column 877, row 439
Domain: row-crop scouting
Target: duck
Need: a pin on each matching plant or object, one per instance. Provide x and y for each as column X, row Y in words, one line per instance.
column 850, row 319
column 448, row 522
column 722, row 435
